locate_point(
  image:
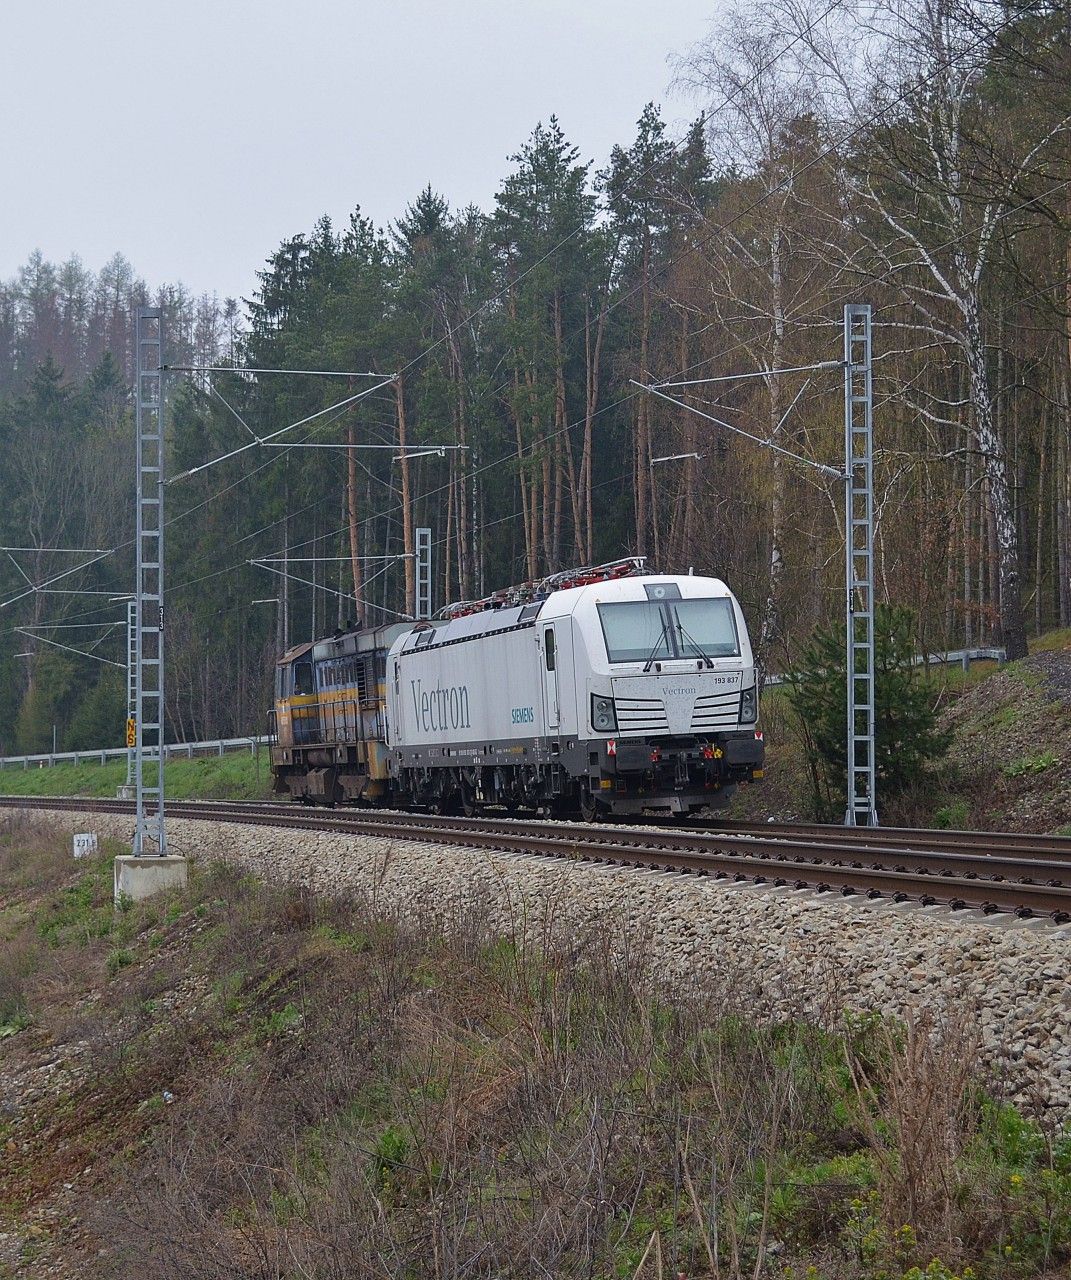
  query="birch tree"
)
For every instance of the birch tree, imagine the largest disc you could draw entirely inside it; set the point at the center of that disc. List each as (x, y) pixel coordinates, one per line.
(929, 175)
(763, 281)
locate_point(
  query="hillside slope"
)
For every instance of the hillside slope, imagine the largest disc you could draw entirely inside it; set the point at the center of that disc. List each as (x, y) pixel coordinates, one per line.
(1008, 767)
(1010, 761)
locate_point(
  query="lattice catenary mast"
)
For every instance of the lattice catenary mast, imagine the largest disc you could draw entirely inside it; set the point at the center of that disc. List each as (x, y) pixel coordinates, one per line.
(149, 834)
(859, 564)
(423, 573)
(131, 690)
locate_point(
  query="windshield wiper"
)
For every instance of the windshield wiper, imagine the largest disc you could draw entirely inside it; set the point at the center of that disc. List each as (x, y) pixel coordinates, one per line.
(661, 636)
(685, 635)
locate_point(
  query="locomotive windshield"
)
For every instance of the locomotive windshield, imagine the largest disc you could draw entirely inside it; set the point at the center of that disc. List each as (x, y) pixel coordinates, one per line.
(648, 630)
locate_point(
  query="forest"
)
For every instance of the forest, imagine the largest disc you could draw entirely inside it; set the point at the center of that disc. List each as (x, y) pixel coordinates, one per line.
(915, 156)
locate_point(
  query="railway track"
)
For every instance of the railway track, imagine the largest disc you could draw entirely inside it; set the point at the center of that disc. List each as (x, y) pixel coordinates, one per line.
(1025, 875)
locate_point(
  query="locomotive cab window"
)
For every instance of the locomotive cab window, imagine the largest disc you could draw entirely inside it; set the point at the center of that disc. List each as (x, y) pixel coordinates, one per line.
(705, 628)
(548, 647)
(650, 631)
(635, 632)
(302, 677)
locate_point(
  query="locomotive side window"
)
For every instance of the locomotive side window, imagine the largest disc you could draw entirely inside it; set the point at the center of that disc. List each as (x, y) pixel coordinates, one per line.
(548, 647)
(302, 677)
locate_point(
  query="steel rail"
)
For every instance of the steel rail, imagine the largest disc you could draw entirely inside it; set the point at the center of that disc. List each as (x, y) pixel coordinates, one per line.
(1006, 844)
(955, 880)
(853, 843)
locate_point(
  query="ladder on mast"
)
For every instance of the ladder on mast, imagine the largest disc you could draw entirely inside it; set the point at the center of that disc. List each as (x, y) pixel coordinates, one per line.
(423, 573)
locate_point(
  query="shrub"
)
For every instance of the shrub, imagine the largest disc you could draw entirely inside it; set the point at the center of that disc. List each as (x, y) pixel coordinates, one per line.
(953, 816)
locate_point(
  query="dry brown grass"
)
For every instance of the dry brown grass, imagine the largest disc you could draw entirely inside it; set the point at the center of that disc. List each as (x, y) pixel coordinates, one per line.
(395, 1101)
(918, 1107)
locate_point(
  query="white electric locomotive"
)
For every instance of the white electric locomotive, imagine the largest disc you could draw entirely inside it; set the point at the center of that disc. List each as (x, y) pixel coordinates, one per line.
(611, 691)
(606, 690)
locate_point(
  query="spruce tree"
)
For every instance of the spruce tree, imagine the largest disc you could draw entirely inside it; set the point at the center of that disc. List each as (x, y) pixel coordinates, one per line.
(907, 734)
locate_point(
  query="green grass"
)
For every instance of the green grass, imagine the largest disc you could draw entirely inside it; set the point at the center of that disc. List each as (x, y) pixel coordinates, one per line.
(1031, 764)
(239, 776)
(1059, 639)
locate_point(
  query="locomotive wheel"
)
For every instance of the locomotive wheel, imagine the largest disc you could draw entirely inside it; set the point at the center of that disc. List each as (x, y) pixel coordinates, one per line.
(590, 809)
(469, 804)
(447, 803)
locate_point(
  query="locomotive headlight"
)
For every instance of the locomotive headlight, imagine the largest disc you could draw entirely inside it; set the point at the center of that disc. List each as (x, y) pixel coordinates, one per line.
(748, 706)
(603, 716)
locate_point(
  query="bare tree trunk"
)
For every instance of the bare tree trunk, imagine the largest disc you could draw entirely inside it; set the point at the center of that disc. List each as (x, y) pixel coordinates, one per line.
(771, 617)
(1010, 603)
(464, 512)
(547, 504)
(527, 513)
(1039, 559)
(643, 420)
(340, 598)
(590, 394)
(1063, 496)
(561, 428)
(965, 516)
(559, 504)
(284, 603)
(1063, 521)
(593, 365)
(448, 540)
(983, 552)
(656, 537)
(313, 576)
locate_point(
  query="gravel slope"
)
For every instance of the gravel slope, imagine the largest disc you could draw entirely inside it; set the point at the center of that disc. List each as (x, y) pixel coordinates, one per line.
(787, 952)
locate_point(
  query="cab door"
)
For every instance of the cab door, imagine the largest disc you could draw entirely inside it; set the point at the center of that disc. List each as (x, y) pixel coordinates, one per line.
(549, 646)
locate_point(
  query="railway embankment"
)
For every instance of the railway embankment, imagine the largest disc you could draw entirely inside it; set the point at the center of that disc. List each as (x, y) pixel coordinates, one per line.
(237, 776)
(786, 952)
(375, 1048)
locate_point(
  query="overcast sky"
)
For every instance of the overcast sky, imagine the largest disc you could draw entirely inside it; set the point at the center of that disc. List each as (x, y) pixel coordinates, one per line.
(194, 135)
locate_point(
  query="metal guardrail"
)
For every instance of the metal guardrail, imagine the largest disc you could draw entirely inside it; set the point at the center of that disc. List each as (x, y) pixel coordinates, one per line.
(172, 751)
(963, 656)
(220, 746)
